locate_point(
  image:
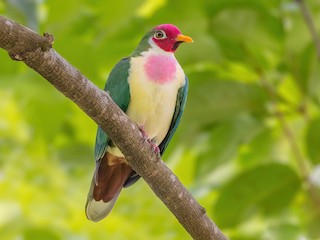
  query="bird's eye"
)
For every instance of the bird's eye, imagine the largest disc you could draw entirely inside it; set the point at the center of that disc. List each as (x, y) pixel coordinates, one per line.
(160, 35)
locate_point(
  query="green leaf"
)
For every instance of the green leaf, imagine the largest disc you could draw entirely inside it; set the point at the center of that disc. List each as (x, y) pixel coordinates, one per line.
(259, 150)
(224, 141)
(251, 14)
(211, 100)
(313, 140)
(268, 189)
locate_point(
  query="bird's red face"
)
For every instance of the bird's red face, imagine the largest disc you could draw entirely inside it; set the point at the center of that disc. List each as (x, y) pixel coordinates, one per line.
(168, 37)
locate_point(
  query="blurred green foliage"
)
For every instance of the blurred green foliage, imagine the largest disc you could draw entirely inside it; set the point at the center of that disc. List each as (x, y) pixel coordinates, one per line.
(247, 147)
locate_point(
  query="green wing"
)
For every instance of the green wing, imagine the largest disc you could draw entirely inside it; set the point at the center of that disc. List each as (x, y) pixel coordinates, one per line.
(180, 105)
(118, 89)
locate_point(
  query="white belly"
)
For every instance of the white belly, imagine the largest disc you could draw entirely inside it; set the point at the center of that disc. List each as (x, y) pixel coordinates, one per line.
(153, 107)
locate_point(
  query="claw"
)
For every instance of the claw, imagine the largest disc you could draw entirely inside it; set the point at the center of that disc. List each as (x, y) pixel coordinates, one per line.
(152, 142)
(155, 147)
(143, 133)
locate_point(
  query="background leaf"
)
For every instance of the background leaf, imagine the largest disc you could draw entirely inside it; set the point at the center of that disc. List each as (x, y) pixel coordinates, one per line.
(257, 189)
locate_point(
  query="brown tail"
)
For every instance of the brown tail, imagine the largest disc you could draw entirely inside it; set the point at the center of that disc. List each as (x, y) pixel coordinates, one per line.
(106, 185)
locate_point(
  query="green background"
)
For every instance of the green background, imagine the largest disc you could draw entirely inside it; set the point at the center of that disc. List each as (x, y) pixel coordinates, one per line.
(247, 147)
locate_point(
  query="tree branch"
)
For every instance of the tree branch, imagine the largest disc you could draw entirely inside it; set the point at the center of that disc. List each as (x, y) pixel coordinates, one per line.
(36, 52)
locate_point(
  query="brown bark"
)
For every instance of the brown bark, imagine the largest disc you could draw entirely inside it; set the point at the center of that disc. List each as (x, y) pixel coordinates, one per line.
(36, 52)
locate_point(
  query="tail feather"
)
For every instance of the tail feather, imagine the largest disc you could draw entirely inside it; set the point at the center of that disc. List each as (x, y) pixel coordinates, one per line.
(106, 186)
(97, 210)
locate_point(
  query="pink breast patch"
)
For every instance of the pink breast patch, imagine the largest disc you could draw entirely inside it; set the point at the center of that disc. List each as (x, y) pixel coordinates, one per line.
(160, 69)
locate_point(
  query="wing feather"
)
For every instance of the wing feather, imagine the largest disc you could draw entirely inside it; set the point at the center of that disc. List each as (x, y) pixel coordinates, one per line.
(118, 88)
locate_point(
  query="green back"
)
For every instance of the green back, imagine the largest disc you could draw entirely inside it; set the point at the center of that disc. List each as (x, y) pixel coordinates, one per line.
(118, 88)
(143, 45)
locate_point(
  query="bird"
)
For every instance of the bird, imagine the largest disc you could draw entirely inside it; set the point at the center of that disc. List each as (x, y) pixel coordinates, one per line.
(151, 87)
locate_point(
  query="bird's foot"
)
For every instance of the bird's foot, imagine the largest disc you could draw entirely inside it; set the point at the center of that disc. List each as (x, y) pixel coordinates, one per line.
(152, 142)
(143, 133)
(155, 147)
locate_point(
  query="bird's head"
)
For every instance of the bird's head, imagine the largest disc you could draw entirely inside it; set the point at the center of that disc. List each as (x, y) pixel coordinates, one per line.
(168, 37)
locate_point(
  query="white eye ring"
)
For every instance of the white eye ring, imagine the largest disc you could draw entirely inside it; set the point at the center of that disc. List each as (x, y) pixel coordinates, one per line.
(160, 34)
